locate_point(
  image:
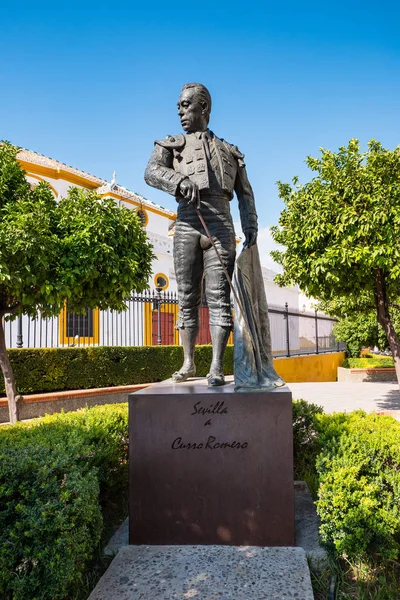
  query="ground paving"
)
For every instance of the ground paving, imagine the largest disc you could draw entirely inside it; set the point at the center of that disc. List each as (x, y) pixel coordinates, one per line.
(206, 573)
(346, 397)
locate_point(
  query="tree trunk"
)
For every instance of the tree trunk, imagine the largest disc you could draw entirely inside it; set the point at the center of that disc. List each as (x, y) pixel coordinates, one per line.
(9, 381)
(382, 306)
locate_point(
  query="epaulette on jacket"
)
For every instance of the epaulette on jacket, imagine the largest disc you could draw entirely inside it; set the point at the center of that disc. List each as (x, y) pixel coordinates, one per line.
(236, 152)
(172, 142)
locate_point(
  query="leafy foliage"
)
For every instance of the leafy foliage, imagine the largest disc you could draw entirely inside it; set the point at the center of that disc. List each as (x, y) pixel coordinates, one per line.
(353, 462)
(306, 444)
(360, 485)
(340, 231)
(28, 239)
(358, 331)
(84, 249)
(357, 325)
(54, 473)
(104, 251)
(56, 369)
(342, 224)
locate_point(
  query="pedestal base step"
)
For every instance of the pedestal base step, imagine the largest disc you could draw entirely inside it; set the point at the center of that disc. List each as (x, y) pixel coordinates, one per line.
(206, 573)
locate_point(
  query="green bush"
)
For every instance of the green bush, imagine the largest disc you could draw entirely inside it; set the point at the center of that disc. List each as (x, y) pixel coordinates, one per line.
(55, 369)
(368, 363)
(359, 493)
(54, 473)
(306, 443)
(351, 461)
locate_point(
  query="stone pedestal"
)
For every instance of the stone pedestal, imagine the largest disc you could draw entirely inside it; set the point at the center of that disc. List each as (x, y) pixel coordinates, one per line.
(211, 466)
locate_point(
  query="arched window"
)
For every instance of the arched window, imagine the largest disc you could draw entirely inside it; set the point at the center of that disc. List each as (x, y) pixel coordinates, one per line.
(161, 281)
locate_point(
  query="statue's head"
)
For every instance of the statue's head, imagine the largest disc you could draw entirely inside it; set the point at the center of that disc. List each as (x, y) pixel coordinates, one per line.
(194, 107)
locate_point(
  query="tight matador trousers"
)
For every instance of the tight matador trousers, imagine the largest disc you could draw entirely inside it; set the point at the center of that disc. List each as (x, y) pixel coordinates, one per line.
(194, 257)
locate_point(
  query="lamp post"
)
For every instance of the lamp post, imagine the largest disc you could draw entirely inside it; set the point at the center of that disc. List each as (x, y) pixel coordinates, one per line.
(20, 340)
(159, 338)
(286, 316)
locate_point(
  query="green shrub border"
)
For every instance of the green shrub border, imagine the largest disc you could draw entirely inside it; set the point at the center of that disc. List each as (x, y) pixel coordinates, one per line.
(351, 462)
(55, 474)
(385, 362)
(40, 370)
(359, 485)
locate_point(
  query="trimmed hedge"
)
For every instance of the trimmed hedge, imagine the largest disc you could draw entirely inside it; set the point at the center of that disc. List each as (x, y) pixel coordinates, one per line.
(368, 363)
(54, 473)
(39, 370)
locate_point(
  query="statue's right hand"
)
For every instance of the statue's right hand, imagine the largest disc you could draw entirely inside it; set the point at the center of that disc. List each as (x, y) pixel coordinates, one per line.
(189, 190)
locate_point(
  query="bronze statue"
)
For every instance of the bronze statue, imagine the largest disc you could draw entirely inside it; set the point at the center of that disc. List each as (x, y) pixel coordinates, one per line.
(202, 171)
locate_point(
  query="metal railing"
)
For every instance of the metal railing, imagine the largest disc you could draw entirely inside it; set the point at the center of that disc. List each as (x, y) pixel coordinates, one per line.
(295, 332)
(150, 318)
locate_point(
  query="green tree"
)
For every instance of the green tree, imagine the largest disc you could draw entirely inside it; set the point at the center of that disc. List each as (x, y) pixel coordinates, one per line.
(359, 330)
(358, 325)
(83, 250)
(341, 231)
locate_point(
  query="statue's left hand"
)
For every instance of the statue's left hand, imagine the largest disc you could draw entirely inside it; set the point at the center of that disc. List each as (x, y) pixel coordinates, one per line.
(251, 237)
(189, 190)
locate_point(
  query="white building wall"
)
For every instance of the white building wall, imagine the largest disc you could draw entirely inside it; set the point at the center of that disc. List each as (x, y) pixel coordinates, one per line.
(59, 185)
(279, 296)
(157, 223)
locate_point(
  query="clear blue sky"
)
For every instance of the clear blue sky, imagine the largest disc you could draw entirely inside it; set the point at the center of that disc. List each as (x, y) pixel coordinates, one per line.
(93, 84)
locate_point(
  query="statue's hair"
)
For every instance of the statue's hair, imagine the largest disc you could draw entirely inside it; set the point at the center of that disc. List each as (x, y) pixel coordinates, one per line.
(201, 92)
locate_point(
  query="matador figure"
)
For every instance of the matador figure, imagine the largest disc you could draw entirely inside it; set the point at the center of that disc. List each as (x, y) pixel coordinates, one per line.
(198, 164)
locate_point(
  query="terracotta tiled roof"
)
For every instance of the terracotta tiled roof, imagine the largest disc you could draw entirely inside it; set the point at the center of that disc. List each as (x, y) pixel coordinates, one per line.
(45, 161)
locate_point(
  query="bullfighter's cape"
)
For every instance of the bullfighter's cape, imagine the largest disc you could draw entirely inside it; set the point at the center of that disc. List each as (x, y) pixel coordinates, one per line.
(253, 363)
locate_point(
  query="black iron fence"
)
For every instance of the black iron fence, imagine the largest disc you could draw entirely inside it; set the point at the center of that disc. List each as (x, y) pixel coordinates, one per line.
(295, 332)
(150, 318)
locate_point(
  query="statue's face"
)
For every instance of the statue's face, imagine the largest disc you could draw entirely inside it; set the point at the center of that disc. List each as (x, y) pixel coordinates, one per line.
(191, 112)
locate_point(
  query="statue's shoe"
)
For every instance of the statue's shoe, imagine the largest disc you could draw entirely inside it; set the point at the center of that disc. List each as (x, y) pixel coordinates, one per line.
(183, 375)
(214, 379)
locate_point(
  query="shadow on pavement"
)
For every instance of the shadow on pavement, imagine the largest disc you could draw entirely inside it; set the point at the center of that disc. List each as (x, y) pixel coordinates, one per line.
(389, 401)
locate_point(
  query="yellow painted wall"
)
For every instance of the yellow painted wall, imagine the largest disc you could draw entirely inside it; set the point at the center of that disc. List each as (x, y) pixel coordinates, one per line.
(314, 367)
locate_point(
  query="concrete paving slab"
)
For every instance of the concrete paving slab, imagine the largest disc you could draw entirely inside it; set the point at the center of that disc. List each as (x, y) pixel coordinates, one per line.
(206, 573)
(346, 397)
